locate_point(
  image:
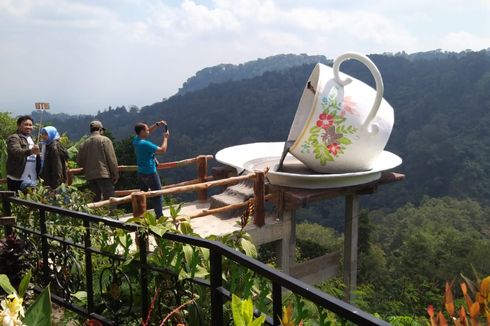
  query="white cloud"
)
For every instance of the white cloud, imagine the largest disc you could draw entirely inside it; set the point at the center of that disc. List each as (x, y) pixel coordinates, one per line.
(460, 41)
(89, 54)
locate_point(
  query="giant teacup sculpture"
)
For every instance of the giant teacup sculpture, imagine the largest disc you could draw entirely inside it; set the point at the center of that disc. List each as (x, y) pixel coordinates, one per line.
(341, 124)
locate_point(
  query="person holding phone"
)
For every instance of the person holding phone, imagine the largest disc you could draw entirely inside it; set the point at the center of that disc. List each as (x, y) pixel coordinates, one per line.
(23, 161)
(145, 150)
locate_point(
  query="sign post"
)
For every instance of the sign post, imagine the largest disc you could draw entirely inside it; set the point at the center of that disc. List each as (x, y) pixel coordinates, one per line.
(42, 106)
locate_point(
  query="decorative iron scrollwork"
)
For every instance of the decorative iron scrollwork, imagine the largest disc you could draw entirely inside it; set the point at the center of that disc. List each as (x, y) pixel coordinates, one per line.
(116, 291)
(66, 272)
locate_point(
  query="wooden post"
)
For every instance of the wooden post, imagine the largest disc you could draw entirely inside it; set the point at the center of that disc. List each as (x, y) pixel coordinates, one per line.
(202, 168)
(351, 233)
(259, 198)
(69, 178)
(138, 202)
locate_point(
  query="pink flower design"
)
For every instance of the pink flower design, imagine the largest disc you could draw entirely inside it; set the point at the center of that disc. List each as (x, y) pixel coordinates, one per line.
(334, 148)
(325, 120)
(349, 106)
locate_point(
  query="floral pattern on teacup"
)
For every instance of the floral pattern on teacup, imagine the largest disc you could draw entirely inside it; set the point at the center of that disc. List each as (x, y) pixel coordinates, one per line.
(329, 137)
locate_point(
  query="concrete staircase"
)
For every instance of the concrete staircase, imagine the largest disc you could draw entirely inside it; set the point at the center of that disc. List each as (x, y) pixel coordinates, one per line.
(235, 194)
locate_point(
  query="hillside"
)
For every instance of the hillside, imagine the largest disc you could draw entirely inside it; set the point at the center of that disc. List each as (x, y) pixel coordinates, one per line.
(228, 72)
(441, 120)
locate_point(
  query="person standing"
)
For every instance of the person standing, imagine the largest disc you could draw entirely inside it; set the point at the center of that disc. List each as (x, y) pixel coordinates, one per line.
(145, 150)
(54, 157)
(23, 161)
(98, 160)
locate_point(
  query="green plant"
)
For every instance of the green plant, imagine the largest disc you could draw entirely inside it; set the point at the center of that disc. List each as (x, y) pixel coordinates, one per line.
(243, 312)
(39, 312)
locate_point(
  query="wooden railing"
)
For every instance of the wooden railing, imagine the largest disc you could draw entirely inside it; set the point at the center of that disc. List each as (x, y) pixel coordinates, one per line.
(201, 161)
(199, 185)
(138, 198)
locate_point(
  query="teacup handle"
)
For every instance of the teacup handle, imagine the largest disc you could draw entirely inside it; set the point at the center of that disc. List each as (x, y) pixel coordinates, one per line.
(377, 78)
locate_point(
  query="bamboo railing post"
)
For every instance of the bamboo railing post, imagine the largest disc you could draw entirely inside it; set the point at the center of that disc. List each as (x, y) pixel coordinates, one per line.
(202, 168)
(69, 178)
(138, 203)
(259, 198)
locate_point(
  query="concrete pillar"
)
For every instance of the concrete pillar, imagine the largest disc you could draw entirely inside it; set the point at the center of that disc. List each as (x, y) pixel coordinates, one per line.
(286, 247)
(351, 234)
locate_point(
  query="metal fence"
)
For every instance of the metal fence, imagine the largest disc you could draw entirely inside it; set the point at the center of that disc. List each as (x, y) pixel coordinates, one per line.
(58, 261)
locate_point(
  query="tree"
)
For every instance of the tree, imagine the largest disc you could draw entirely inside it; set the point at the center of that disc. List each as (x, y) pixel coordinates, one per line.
(8, 125)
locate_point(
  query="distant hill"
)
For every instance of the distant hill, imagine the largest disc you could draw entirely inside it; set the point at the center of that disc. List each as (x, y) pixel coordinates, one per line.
(228, 72)
(442, 119)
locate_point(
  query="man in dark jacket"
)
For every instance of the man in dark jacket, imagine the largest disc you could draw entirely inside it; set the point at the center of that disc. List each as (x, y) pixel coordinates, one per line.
(98, 160)
(23, 162)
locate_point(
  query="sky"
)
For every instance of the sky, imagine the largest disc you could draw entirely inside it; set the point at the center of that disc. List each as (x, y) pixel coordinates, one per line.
(84, 56)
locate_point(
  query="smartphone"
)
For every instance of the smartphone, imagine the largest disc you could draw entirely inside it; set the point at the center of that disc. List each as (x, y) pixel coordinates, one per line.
(165, 128)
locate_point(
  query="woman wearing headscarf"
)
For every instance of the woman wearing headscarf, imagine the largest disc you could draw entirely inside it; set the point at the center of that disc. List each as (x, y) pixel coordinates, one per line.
(54, 170)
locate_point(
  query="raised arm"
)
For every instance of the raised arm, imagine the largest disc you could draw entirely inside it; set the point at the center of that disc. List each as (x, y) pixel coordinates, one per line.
(163, 148)
(156, 125)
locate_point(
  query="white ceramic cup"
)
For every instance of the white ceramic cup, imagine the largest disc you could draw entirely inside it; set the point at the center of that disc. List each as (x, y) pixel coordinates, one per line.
(341, 124)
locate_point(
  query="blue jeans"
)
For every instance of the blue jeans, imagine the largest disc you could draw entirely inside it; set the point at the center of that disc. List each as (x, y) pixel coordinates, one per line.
(152, 182)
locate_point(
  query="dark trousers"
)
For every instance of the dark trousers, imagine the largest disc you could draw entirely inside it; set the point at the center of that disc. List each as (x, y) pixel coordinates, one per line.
(102, 188)
(152, 182)
(13, 185)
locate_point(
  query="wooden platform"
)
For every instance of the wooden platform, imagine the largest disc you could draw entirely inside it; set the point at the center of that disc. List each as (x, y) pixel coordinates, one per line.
(280, 228)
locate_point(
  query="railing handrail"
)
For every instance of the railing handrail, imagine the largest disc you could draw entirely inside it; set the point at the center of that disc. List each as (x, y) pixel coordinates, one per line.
(66, 212)
(173, 190)
(133, 168)
(277, 277)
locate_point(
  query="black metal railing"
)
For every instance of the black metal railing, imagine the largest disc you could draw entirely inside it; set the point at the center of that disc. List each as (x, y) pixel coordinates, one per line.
(58, 268)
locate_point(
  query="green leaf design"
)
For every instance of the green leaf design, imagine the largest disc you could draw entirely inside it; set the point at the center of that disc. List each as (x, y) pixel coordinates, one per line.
(323, 160)
(315, 130)
(5, 284)
(344, 140)
(39, 313)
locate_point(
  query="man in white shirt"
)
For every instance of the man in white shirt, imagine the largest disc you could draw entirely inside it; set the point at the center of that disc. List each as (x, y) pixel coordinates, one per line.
(23, 162)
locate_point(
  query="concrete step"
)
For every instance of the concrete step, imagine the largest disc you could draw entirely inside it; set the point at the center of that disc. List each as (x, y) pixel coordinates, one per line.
(244, 189)
(235, 194)
(225, 199)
